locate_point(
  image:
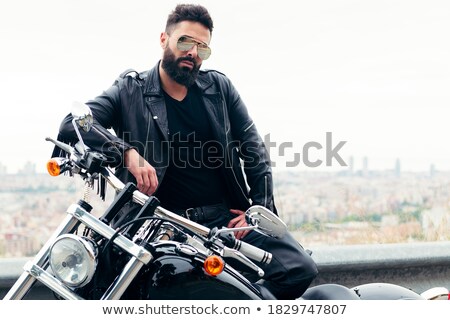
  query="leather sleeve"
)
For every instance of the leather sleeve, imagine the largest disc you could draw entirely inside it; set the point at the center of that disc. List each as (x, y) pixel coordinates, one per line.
(106, 111)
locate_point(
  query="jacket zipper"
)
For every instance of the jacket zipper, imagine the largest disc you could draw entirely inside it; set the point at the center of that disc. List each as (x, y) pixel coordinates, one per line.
(265, 191)
(251, 125)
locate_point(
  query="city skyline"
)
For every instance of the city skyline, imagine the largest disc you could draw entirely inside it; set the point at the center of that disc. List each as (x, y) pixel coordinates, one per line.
(354, 165)
(320, 208)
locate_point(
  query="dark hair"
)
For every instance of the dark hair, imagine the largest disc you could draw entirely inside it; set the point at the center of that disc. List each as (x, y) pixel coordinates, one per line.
(189, 12)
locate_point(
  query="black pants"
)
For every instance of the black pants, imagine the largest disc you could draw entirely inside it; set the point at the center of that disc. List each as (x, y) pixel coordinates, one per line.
(291, 270)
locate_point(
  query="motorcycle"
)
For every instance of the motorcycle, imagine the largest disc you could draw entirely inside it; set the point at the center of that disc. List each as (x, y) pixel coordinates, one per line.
(157, 254)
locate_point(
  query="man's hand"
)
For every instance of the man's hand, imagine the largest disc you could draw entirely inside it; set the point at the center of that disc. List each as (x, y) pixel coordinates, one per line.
(145, 174)
(237, 222)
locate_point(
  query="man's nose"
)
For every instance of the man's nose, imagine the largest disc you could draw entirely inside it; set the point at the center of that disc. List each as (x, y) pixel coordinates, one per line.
(193, 52)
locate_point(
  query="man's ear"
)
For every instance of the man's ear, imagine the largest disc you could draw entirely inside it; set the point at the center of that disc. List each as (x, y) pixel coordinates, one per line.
(164, 40)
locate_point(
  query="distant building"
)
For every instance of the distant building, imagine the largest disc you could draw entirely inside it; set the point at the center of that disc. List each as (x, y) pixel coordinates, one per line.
(432, 170)
(28, 169)
(365, 170)
(351, 165)
(398, 168)
(19, 245)
(435, 223)
(3, 170)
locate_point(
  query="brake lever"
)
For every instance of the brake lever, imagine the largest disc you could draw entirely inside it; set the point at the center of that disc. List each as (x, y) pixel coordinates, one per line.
(64, 146)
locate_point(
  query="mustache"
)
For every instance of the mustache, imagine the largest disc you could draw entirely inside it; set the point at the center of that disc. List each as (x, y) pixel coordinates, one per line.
(190, 59)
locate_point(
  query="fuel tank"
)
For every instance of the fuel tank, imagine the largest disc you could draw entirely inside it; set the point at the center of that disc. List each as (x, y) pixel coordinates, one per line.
(177, 273)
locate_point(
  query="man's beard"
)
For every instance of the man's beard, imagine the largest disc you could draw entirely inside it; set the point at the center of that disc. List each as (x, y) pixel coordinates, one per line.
(182, 75)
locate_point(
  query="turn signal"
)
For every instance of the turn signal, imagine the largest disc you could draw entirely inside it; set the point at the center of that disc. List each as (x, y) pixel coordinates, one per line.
(53, 167)
(214, 265)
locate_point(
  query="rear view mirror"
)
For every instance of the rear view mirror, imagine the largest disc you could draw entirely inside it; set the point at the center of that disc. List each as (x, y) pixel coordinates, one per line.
(267, 222)
(82, 115)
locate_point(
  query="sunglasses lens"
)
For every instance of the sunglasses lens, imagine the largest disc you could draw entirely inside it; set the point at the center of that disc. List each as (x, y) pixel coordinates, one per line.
(204, 53)
(186, 44)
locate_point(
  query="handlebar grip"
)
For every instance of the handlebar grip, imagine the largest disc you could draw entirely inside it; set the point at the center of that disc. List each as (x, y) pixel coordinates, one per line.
(252, 252)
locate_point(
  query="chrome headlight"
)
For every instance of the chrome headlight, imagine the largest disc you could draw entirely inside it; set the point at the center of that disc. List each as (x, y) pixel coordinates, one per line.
(73, 259)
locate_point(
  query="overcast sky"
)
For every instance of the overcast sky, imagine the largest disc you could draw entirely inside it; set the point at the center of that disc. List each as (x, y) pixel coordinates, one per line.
(374, 73)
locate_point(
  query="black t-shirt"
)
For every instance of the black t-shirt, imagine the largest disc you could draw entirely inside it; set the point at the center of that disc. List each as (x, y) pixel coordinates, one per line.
(193, 177)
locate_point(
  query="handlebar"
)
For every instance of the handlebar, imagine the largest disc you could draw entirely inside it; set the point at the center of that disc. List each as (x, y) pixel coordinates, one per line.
(138, 197)
(246, 249)
(253, 252)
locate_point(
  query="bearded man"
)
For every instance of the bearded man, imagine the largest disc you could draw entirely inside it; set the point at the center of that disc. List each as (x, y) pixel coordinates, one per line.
(185, 136)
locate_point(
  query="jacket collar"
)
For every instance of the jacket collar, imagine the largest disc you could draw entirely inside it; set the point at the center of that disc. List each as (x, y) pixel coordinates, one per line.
(153, 84)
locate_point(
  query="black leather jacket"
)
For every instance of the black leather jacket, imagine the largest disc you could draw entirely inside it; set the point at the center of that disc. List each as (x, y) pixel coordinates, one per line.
(134, 108)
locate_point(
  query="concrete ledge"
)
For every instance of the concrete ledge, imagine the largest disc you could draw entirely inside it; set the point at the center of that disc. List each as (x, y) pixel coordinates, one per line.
(418, 266)
(10, 270)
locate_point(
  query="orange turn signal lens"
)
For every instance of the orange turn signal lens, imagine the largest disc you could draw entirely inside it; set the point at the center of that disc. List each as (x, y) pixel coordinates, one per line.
(53, 167)
(214, 265)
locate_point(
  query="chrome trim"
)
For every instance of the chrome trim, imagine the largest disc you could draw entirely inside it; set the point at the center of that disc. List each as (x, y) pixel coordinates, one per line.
(141, 198)
(26, 281)
(191, 225)
(108, 232)
(436, 293)
(91, 253)
(121, 284)
(51, 282)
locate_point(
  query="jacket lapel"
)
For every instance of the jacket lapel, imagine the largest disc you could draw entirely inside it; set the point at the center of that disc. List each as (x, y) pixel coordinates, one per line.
(213, 102)
(215, 107)
(215, 110)
(154, 100)
(158, 115)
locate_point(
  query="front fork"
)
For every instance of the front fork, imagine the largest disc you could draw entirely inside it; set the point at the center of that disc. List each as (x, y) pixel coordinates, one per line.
(36, 268)
(33, 269)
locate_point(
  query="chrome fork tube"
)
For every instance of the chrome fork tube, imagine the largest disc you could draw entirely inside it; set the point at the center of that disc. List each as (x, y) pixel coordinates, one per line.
(123, 281)
(26, 280)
